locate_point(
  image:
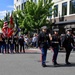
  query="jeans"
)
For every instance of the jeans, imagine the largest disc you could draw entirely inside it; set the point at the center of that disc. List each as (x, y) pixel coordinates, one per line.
(44, 55)
(3, 48)
(7, 48)
(12, 48)
(0, 48)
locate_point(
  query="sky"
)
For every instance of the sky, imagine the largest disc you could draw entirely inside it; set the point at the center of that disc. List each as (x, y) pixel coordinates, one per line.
(6, 6)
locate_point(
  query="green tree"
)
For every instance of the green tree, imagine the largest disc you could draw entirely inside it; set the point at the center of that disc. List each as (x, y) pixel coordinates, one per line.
(34, 15)
(7, 17)
(1, 23)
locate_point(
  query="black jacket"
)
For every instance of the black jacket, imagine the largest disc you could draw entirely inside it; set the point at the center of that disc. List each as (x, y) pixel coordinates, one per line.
(21, 41)
(55, 40)
(68, 41)
(43, 40)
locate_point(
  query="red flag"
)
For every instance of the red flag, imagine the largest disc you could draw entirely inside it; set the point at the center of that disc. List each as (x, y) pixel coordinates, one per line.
(7, 31)
(10, 32)
(5, 28)
(11, 22)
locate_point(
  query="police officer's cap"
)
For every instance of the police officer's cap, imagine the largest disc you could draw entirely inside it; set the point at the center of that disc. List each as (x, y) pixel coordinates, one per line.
(69, 29)
(56, 30)
(44, 27)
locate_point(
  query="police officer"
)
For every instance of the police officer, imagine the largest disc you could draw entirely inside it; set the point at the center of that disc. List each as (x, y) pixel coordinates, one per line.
(68, 44)
(43, 43)
(55, 45)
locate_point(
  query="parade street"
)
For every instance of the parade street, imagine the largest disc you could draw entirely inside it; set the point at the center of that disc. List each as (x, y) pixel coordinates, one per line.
(29, 64)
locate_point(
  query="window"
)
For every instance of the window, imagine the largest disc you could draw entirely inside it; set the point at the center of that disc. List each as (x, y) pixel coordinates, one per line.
(50, 10)
(24, 3)
(22, 6)
(35, 1)
(56, 11)
(19, 7)
(72, 6)
(44, 1)
(64, 8)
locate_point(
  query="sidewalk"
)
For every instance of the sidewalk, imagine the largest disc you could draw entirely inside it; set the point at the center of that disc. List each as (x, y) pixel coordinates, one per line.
(39, 51)
(35, 50)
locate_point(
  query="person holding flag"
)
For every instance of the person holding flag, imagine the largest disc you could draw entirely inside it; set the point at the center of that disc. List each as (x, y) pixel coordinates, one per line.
(5, 30)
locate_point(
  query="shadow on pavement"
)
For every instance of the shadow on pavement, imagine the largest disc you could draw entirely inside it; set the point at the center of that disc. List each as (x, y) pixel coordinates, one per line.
(62, 65)
(25, 53)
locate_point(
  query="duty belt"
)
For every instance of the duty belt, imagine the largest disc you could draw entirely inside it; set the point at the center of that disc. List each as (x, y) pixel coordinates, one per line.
(55, 42)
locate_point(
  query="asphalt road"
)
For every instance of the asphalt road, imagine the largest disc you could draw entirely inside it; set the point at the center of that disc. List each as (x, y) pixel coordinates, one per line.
(28, 64)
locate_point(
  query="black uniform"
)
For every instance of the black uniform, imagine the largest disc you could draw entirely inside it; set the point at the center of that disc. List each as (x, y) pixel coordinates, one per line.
(68, 44)
(43, 43)
(55, 46)
(21, 43)
(43, 40)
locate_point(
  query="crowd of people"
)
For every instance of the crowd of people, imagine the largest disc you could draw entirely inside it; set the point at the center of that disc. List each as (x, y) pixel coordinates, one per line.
(44, 40)
(17, 44)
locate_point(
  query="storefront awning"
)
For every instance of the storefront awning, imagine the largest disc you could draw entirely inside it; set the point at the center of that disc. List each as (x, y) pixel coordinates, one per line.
(65, 22)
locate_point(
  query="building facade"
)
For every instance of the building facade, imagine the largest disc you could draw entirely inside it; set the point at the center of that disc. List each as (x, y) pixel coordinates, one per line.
(64, 8)
(63, 16)
(19, 4)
